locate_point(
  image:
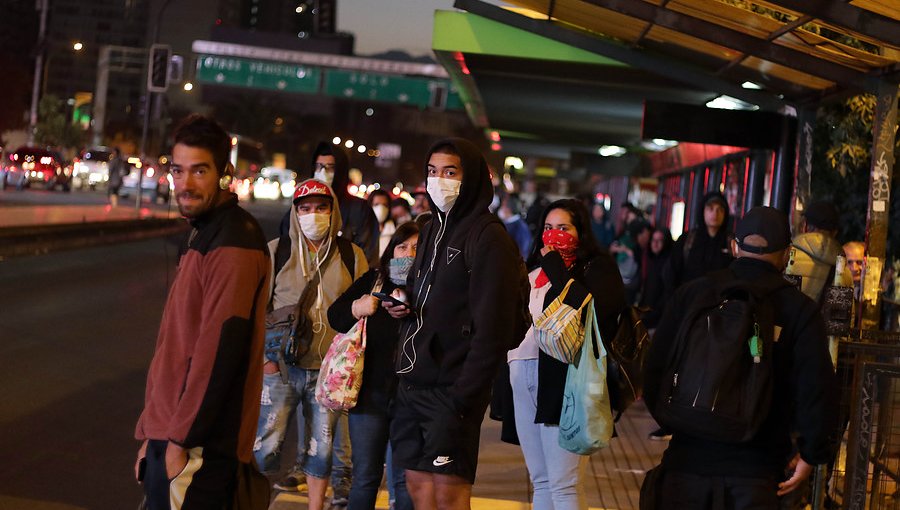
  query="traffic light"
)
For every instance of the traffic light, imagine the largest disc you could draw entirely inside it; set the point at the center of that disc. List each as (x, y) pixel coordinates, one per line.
(324, 12)
(158, 68)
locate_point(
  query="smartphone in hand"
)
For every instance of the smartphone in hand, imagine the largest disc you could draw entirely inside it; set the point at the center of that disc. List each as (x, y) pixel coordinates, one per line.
(390, 299)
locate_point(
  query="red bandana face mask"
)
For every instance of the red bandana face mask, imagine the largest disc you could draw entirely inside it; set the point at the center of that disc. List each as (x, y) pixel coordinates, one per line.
(564, 243)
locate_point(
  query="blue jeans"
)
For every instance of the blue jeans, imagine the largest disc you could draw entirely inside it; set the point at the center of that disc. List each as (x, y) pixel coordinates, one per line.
(277, 402)
(341, 478)
(340, 468)
(369, 433)
(555, 473)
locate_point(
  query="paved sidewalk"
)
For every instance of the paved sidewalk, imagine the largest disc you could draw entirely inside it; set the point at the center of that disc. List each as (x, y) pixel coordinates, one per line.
(35, 215)
(613, 480)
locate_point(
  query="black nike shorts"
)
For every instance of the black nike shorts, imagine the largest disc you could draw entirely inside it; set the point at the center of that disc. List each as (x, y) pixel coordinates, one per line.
(428, 434)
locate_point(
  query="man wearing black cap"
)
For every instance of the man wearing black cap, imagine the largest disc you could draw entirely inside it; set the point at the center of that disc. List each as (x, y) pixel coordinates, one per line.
(816, 249)
(697, 473)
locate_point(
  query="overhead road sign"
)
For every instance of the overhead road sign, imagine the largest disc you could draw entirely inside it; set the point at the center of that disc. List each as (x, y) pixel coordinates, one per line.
(420, 92)
(258, 74)
(318, 59)
(364, 86)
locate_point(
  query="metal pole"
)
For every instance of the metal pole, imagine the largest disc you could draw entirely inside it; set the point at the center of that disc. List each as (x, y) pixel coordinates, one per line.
(38, 71)
(100, 92)
(759, 164)
(820, 479)
(148, 104)
(785, 161)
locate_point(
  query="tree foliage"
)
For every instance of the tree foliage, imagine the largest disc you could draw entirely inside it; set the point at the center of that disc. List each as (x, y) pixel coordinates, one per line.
(842, 160)
(53, 127)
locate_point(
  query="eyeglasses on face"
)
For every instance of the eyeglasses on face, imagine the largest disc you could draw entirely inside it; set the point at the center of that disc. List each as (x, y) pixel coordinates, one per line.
(325, 166)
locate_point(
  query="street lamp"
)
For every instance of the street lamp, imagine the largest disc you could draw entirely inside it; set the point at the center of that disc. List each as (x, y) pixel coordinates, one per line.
(188, 86)
(78, 46)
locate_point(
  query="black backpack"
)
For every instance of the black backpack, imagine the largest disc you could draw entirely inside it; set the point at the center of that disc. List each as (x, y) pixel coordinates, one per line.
(523, 321)
(718, 382)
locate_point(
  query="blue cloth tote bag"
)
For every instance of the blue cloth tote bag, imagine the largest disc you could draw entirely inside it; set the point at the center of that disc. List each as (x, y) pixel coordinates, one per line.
(586, 422)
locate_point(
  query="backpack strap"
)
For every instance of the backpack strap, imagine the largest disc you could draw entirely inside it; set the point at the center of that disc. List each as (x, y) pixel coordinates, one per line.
(282, 252)
(475, 230)
(345, 248)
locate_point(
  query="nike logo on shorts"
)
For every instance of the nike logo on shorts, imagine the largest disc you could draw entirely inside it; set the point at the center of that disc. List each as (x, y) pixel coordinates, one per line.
(441, 461)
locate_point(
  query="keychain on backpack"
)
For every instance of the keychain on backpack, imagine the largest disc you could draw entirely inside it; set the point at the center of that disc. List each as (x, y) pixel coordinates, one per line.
(755, 344)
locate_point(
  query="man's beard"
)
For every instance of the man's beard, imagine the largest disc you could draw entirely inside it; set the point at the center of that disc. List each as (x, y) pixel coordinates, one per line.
(194, 209)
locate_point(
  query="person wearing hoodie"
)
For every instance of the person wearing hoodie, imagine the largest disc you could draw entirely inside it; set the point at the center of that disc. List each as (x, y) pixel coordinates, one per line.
(699, 251)
(466, 304)
(311, 253)
(702, 249)
(652, 293)
(332, 166)
(816, 249)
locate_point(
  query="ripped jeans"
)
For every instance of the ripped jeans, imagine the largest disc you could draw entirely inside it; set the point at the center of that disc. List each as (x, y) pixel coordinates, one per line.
(277, 404)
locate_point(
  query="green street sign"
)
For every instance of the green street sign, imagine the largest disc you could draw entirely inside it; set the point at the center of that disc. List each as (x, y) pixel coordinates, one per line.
(362, 86)
(421, 92)
(257, 74)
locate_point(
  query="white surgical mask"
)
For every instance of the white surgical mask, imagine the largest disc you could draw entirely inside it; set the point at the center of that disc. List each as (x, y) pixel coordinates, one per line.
(315, 226)
(381, 212)
(443, 191)
(324, 176)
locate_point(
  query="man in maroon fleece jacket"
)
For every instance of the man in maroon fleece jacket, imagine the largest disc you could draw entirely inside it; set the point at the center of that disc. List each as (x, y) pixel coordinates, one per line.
(202, 398)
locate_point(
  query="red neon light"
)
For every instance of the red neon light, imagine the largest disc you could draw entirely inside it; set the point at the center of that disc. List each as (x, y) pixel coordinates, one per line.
(496, 147)
(461, 60)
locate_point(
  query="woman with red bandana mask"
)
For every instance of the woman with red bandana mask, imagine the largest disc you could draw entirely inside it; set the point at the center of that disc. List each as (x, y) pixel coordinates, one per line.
(565, 249)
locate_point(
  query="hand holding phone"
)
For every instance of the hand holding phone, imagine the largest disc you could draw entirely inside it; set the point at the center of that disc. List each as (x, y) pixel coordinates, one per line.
(390, 299)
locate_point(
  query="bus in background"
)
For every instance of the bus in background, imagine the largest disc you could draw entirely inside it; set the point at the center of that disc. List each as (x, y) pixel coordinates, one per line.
(248, 158)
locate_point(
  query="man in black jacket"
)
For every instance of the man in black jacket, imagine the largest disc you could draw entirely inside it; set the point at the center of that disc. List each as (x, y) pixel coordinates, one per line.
(697, 472)
(465, 300)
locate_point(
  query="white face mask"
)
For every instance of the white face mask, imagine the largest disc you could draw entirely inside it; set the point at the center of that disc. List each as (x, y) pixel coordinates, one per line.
(444, 192)
(315, 226)
(381, 212)
(324, 176)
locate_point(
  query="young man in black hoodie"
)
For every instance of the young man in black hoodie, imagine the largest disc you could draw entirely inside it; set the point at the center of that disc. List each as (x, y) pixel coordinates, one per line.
(698, 472)
(465, 302)
(702, 249)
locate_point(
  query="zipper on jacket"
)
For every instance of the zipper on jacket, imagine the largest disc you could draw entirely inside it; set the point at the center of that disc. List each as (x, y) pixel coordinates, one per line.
(674, 386)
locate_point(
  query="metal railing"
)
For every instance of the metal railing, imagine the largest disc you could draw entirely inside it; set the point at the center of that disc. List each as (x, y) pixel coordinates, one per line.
(866, 470)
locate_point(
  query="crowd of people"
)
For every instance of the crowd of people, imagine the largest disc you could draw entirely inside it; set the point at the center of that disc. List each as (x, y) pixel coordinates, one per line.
(445, 287)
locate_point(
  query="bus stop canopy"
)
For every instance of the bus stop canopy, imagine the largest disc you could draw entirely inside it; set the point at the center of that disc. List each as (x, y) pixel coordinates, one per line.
(555, 76)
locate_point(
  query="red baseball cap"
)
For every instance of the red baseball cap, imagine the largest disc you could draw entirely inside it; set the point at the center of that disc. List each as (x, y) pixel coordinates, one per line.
(312, 188)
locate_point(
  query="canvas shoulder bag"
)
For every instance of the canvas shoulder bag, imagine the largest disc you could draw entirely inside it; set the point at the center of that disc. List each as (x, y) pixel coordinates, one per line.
(559, 331)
